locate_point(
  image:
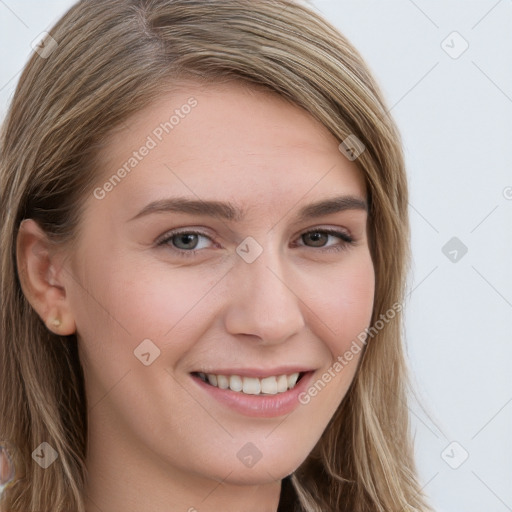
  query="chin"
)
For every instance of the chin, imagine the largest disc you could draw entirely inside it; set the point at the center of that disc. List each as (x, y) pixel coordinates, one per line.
(264, 471)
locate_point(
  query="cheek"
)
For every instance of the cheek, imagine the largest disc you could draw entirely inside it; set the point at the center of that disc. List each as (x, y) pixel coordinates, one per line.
(163, 303)
(132, 300)
(342, 313)
(345, 305)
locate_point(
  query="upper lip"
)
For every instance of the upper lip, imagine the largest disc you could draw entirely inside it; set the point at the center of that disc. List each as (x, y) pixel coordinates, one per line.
(257, 372)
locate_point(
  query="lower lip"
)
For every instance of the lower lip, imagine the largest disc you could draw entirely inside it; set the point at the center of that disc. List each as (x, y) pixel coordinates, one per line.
(260, 406)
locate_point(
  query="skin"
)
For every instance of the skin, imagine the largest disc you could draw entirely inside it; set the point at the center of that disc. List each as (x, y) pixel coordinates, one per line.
(157, 441)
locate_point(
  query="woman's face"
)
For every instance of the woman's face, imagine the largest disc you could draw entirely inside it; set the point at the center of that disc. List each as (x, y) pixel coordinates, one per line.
(196, 263)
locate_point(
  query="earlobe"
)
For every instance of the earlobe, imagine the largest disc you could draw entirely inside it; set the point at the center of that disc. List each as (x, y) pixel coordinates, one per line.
(39, 268)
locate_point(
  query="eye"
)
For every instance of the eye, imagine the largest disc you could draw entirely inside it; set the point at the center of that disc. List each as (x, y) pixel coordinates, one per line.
(188, 243)
(320, 237)
(184, 242)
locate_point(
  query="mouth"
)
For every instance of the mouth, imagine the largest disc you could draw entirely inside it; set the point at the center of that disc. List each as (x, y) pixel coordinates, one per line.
(265, 386)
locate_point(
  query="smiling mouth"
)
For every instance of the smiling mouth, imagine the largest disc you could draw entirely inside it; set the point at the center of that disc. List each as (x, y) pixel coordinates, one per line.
(272, 385)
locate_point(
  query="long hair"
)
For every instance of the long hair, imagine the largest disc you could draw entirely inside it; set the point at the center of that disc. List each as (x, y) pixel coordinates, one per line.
(107, 60)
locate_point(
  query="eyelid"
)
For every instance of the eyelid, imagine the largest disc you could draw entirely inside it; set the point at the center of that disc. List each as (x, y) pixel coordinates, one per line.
(344, 235)
(339, 232)
(179, 231)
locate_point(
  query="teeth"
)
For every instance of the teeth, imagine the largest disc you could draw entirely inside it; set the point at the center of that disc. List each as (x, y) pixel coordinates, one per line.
(269, 385)
(252, 385)
(222, 382)
(292, 380)
(235, 383)
(282, 383)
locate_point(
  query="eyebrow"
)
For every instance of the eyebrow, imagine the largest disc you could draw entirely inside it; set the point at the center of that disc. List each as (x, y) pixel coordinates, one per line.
(233, 213)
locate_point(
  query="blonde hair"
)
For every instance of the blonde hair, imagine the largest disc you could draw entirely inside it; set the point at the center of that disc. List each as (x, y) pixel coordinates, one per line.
(113, 58)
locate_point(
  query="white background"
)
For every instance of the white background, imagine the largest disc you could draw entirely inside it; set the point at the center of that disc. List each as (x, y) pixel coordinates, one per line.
(455, 116)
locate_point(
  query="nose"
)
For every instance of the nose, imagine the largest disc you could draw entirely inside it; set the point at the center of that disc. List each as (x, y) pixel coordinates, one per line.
(263, 303)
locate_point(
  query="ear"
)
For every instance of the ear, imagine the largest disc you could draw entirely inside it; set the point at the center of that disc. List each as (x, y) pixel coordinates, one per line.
(40, 270)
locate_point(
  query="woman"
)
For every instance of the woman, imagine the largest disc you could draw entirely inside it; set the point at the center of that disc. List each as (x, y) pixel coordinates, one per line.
(204, 247)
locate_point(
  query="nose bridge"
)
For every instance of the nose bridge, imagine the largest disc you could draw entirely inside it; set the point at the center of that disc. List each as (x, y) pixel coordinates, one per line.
(263, 302)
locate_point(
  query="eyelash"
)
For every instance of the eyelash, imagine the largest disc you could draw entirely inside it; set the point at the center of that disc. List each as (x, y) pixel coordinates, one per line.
(346, 239)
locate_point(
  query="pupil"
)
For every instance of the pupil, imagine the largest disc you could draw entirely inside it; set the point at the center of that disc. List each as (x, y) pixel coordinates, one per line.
(186, 239)
(317, 238)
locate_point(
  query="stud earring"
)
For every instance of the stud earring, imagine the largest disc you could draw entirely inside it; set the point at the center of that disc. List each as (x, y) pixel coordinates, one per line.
(56, 322)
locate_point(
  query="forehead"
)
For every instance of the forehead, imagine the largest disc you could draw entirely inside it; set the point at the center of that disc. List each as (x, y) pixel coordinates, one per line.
(225, 141)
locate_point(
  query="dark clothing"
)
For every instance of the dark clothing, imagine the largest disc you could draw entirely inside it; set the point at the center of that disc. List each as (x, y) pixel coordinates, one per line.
(287, 498)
